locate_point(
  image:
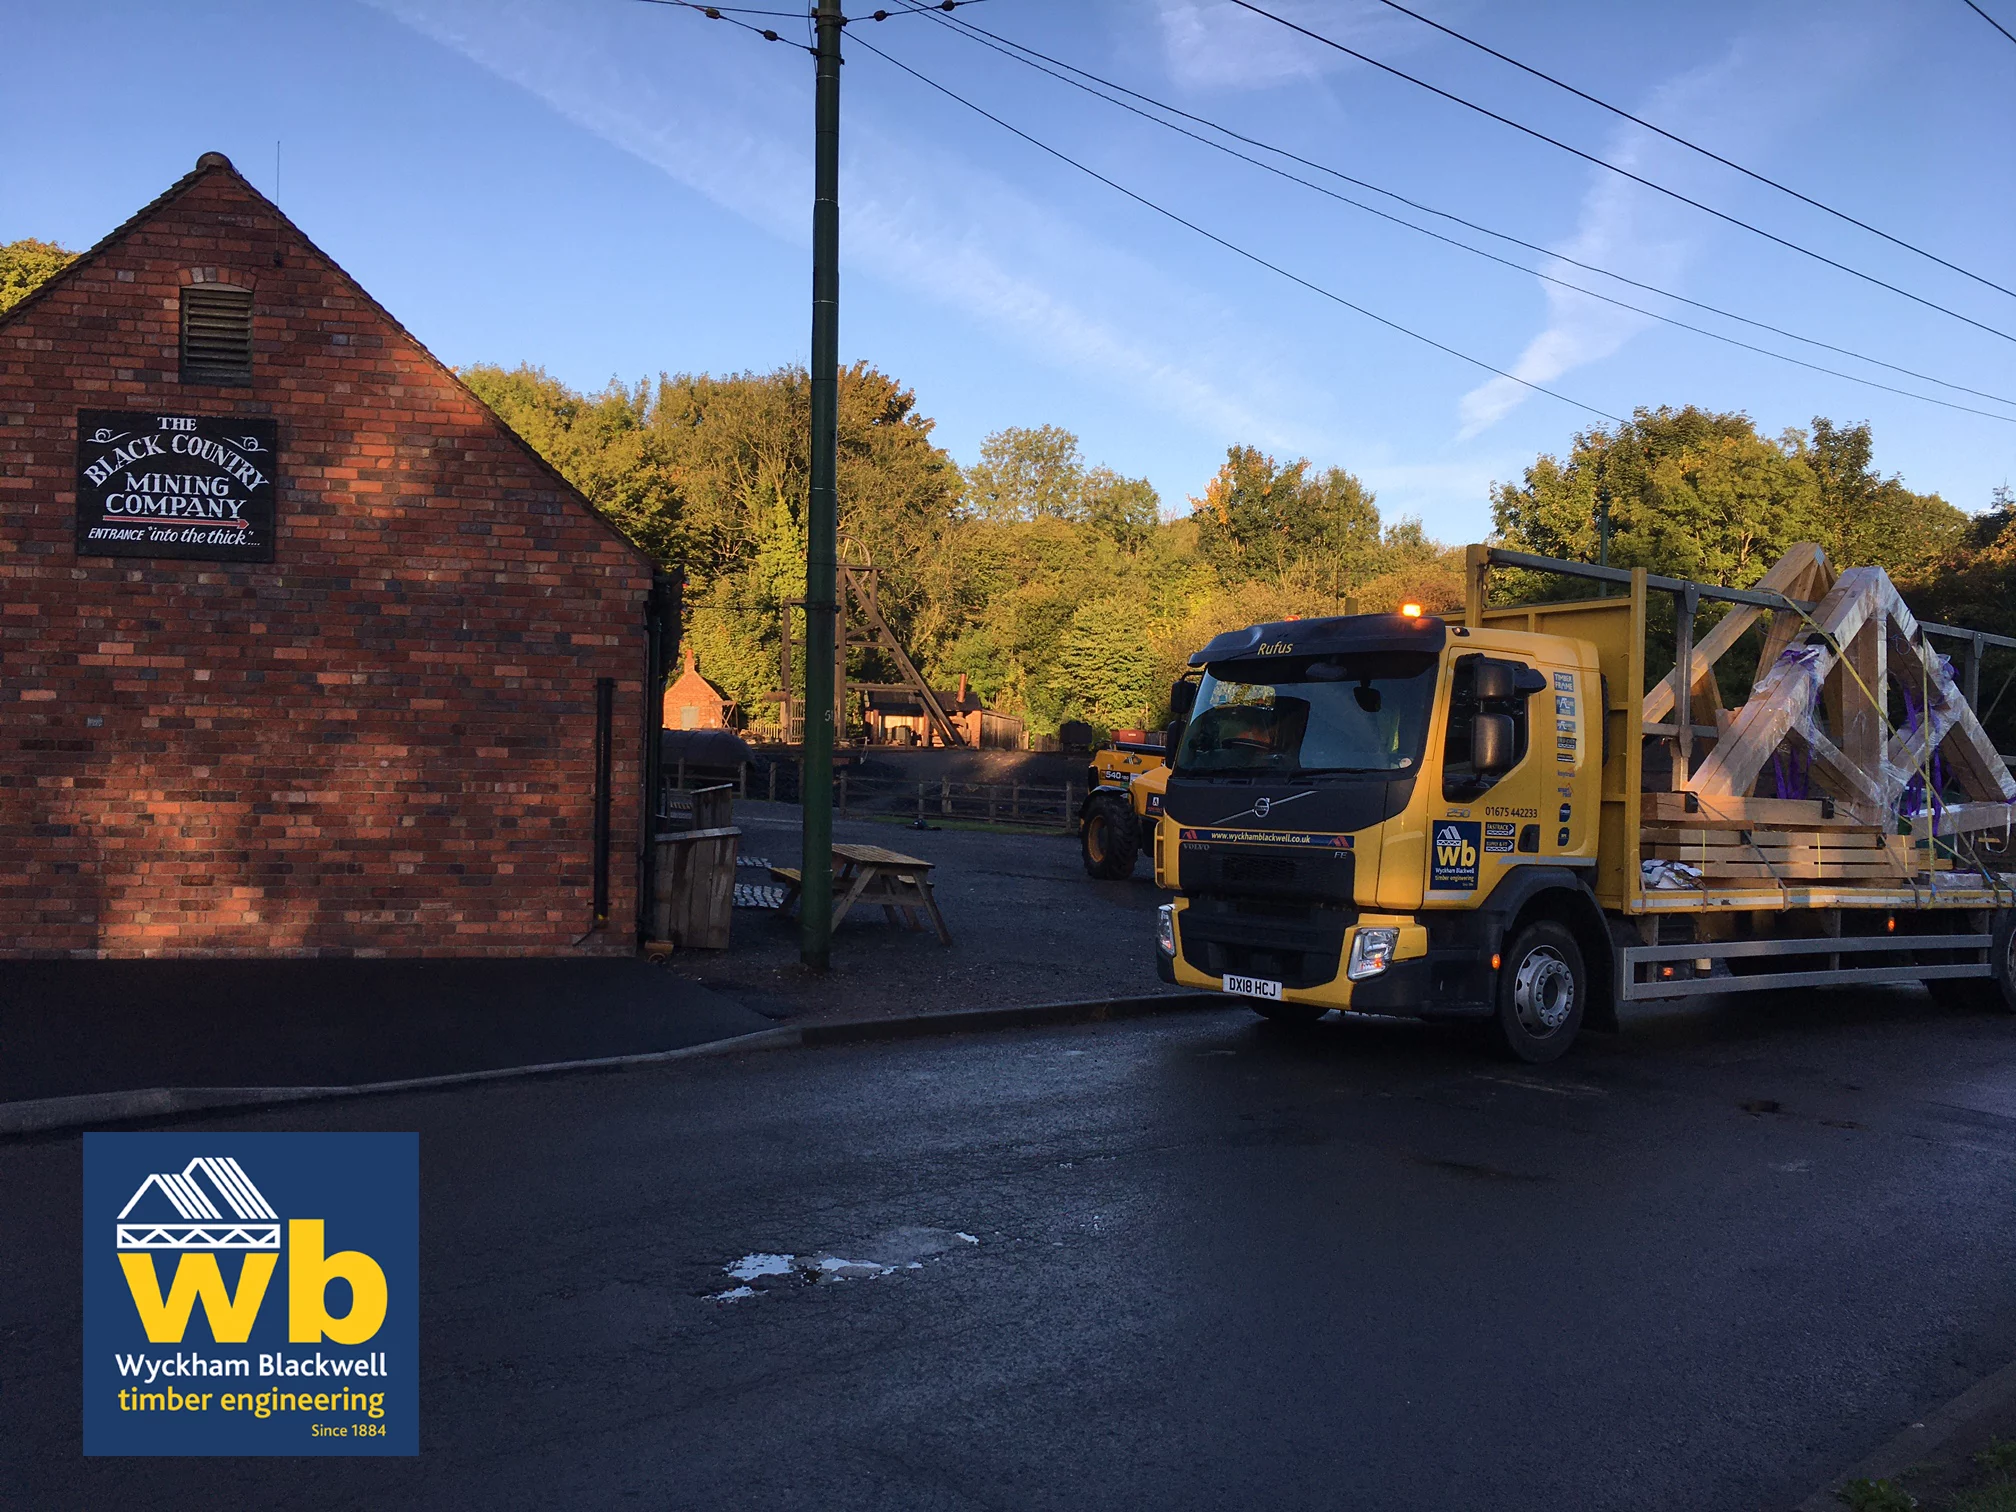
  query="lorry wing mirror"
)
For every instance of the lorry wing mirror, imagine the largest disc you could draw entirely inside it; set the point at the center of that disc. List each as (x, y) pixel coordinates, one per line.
(1491, 742)
(1182, 698)
(1494, 681)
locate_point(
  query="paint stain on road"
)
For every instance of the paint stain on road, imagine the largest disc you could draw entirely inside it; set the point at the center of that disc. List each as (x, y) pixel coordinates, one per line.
(900, 1249)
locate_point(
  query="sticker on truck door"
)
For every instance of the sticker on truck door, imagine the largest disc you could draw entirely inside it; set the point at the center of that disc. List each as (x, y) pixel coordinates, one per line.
(1454, 864)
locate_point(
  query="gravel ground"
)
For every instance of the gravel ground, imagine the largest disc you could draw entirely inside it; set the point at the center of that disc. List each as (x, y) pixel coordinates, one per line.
(1028, 926)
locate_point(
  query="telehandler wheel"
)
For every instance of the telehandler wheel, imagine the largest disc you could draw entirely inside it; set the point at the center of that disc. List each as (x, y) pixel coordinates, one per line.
(1542, 990)
(1109, 836)
(1289, 1013)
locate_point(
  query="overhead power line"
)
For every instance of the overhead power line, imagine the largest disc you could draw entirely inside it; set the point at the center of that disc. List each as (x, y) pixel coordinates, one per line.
(1233, 247)
(721, 13)
(1016, 51)
(1750, 173)
(915, 10)
(1590, 157)
(1989, 19)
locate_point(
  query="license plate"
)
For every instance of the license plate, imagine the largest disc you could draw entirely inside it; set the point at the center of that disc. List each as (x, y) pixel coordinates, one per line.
(1258, 987)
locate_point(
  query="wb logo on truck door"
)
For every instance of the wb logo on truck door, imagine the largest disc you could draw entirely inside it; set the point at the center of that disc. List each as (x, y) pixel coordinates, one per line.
(1454, 864)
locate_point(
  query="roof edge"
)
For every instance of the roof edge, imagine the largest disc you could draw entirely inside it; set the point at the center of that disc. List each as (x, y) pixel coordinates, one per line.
(217, 162)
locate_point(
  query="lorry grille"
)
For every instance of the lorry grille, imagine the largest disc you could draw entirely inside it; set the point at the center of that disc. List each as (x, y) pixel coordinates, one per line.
(1257, 869)
(1297, 945)
(1304, 874)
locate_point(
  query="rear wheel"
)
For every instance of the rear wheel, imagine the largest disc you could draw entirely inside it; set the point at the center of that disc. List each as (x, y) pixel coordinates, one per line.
(1989, 994)
(1542, 991)
(1993, 994)
(1109, 836)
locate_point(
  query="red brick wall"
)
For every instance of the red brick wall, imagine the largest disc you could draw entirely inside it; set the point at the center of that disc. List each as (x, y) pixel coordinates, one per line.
(380, 743)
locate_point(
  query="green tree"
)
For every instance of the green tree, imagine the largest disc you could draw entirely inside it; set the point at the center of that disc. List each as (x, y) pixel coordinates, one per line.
(1973, 584)
(1701, 495)
(713, 474)
(1027, 474)
(26, 265)
(1039, 474)
(1105, 666)
(1690, 494)
(1260, 520)
(1866, 518)
(1124, 510)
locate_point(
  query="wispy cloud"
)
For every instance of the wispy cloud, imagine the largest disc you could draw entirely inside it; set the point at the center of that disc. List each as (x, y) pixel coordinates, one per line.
(1618, 230)
(917, 215)
(1743, 99)
(1451, 497)
(1211, 45)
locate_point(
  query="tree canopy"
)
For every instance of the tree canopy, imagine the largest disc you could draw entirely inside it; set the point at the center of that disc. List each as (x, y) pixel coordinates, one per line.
(26, 265)
(1060, 589)
(1700, 495)
(1055, 585)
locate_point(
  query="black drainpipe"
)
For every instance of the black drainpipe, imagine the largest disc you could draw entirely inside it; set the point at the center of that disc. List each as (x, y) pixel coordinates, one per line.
(661, 621)
(605, 710)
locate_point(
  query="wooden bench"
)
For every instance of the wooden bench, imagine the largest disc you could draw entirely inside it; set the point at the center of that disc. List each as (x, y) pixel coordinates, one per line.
(870, 874)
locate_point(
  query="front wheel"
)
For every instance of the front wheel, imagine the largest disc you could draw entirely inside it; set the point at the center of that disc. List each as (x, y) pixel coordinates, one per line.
(1542, 990)
(1109, 836)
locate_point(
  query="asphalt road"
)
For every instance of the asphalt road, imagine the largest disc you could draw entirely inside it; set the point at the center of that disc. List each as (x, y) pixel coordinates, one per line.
(1218, 1265)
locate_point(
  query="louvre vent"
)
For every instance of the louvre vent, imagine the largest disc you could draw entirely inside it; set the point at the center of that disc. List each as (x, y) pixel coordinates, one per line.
(217, 335)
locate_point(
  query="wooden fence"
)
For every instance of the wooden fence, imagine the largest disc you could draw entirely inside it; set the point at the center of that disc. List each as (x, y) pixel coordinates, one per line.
(1018, 805)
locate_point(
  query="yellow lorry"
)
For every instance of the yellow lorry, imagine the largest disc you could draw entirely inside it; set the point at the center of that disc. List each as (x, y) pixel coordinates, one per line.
(1503, 818)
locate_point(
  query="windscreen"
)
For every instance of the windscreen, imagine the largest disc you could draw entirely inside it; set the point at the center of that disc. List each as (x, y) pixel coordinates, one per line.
(1305, 716)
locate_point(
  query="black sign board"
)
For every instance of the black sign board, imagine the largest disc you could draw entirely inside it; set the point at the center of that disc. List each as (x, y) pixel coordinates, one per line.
(192, 486)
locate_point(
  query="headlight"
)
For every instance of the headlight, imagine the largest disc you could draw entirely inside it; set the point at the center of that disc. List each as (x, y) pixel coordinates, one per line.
(1165, 928)
(1371, 953)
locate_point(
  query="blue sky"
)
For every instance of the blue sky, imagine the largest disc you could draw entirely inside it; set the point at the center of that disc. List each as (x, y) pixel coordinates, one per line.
(610, 189)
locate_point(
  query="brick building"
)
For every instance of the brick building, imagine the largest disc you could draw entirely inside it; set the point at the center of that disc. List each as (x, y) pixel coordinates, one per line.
(302, 651)
(694, 703)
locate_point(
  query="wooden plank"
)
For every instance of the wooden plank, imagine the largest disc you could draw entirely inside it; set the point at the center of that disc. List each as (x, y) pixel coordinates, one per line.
(696, 887)
(1770, 839)
(1758, 871)
(1966, 818)
(1787, 575)
(1855, 698)
(1874, 862)
(1961, 741)
(1783, 700)
(1794, 853)
(1858, 785)
(875, 855)
(1747, 813)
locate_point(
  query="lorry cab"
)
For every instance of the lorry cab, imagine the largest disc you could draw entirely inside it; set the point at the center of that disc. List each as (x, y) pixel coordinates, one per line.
(1361, 807)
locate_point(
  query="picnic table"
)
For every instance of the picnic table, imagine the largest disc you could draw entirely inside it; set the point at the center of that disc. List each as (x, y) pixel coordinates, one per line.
(870, 874)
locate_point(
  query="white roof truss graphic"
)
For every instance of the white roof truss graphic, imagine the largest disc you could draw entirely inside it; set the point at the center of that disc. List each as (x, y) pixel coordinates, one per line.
(195, 1193)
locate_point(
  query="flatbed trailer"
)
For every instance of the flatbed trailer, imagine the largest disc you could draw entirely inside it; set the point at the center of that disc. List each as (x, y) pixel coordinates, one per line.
(1506, 819)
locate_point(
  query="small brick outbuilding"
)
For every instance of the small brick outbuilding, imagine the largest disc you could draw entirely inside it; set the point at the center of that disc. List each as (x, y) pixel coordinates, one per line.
(302, 650)
(694, 703)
